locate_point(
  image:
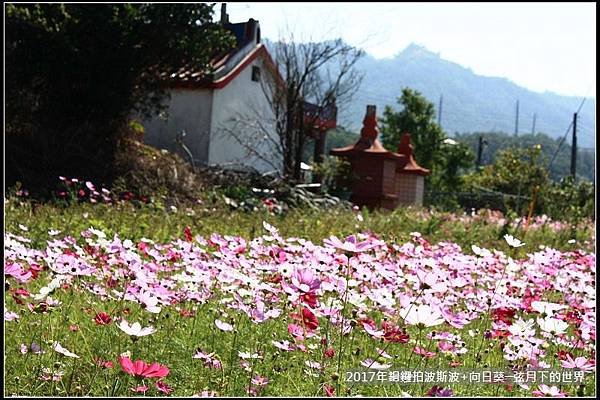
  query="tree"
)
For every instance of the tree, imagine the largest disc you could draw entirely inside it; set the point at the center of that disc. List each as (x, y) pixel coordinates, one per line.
(517, 171)
(320, 73)
(417, 118)
(75, 73)
(560, 168)
(432, 148)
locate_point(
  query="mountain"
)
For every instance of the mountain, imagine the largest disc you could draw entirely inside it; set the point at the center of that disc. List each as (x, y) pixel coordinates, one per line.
(471, 102)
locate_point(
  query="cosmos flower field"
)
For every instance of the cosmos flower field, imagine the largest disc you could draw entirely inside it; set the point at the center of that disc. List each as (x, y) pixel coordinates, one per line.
(99, 315)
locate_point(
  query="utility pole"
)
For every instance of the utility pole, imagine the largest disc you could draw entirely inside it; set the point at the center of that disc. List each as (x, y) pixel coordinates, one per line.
(574, 147)
(479, 151)
(533, 127)
(517, 120)
(440, 111)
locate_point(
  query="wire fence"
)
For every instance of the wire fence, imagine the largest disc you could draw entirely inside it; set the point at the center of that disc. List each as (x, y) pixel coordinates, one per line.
(478, 200)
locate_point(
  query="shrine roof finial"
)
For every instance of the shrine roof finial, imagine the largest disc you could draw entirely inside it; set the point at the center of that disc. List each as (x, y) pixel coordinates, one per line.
(369, 130)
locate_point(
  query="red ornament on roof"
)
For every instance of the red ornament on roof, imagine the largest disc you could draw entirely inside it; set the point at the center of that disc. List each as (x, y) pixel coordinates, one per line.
(411, 167)
(368, 144)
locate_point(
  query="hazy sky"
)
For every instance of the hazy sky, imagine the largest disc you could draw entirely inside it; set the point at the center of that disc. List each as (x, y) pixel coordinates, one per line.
(541, 46)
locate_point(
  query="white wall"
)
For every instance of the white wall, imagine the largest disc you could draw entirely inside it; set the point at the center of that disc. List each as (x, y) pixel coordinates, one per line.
(189, 110)
(245, 100)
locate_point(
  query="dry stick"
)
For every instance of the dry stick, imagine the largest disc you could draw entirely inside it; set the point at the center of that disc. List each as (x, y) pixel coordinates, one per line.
(535, 192)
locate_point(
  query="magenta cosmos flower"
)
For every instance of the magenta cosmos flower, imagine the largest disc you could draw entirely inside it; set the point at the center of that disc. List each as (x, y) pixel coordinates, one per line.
(140, 368)
(305, 280)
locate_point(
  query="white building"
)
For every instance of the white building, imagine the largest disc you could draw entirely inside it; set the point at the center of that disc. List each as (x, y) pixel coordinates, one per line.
(227, 115)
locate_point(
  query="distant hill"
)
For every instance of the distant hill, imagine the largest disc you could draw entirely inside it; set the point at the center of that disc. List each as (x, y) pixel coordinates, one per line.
(471, 102)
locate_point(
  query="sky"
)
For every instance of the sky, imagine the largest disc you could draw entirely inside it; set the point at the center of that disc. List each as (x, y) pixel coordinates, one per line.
(540, 46)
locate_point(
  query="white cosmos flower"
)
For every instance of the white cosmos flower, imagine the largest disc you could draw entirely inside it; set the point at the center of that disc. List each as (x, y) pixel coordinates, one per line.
(46, 290)
(522, 328)
(544, 307)
(135, 329)
(480, 252)
(553, 325)
(513, 241)
(283, 345)
(149, 301)
(59, 349)
(382, 353)
(246, 355)
(224, 326)
(369, 363)
(422, 315)
(313, 364)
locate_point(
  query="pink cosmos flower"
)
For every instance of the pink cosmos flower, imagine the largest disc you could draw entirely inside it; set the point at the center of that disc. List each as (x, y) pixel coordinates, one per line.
(163, 387)
(371, 330)
(17, 272)
(102, 318)
(305, 280)
(296, 331)
(140, 368)
(252, 391)
(224, 326)
(10, 315)
(139, 389)
(350, 244)
(105, 364)
(260, 381)
(329, 390)
(580, 363)
(330, 352)
(149, 301)
(422, 352)
(206, 393)
(446, 347)
(545, 390)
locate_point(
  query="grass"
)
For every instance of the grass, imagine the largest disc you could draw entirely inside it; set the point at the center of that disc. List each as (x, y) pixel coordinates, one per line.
(160, 223)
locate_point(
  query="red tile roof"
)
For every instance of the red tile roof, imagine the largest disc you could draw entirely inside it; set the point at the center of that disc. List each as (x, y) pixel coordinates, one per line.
(217, 76)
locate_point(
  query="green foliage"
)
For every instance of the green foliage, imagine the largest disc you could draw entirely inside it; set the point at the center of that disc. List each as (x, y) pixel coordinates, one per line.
(338, 137)
(76, 72)
(570, 199)
(417, 118)
(496, 141)
(334, 172)
(516, 172)
(430, 145)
